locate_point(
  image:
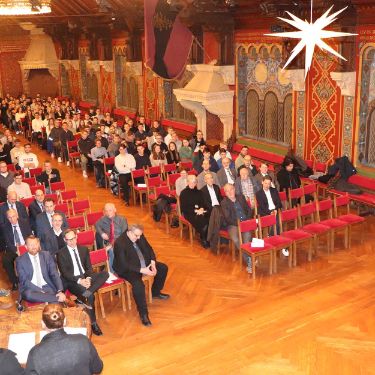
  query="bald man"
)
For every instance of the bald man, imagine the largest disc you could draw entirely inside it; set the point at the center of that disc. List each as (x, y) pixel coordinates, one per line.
(108, 228)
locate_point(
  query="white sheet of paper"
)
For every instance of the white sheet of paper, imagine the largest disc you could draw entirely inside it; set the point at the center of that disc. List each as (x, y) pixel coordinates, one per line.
(68, 330)
(257, 242)
(111, 278)
(141, 185)
(21, 344)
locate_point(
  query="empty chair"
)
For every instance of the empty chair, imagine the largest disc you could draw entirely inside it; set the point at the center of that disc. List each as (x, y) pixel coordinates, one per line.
(53, 196)
(310, 189)
(186, 165)
(168, 169)
(77, 222)
(57, 186)
(295, 196)
(31, 181)
(81, 206)
(35, 171)
(86, 238)
(73, 153)
(139, 191)
(92, 218)
(63, 207)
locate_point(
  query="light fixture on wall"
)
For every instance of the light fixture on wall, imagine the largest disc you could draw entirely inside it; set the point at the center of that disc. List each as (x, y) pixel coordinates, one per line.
(311, 35)
(24, 7)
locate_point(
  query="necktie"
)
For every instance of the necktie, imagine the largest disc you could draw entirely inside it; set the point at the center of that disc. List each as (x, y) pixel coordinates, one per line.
(81, 272)
(38, 273)
(112, 231)
(17, 239)
(12, 206)
(140, 255)
(50, 219)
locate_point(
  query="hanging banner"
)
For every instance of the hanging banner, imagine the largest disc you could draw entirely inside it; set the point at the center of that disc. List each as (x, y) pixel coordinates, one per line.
(167, 40)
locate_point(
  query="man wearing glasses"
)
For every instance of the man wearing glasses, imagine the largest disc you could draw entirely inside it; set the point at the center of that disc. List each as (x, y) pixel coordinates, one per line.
(135, 258)
(78, 276)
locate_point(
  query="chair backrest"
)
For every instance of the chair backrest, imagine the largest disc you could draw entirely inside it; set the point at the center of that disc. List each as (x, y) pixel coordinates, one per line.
(320, 167)
(341, 201)
(57, 186)
(307, 209)
(324, 206)
(35, 171)
(162, 190)
(287, 216)
(68, 195)
(108, 163)
(169, 167)
(154, 170)
(153, 182)
(310, 163)
(86, 238)
(93, 217)
(283, 196)
(63, 207)
(266, 222)
(193, 172)
(138, 173)
(248, 225)
(37, 187)
(27, 201)
(309, 189)
(31, 181)
(296, 193)
(72, 145)
(53, 196)
(186, 165)
(98, 257)
(81, 206)
(77, 136)
(11, 167)
(76, 222)
(172, 178)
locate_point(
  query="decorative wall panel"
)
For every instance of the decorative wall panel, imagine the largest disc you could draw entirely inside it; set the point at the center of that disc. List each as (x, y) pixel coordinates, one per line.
(11, 76)
(150, 95)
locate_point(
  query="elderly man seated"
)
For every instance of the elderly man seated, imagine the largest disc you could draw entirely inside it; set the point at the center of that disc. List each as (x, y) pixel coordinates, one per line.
(108, 228)
(247, 185)
(39, 280)
(194, 209)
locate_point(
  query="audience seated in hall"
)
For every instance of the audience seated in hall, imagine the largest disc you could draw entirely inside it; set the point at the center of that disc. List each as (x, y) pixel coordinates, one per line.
(204, 170)
(159, 140)
(141, 159)
(222, 146)
(186, 153)
(9, 364)
(172, 155)
(78, 276)
(240, 158)
(113, 148)
(65, 136)
(197, 141)
(12, 203)
(98, 153)
(157, 157)
(5, 154)
(67, 354)
(21, 188)
(16, 151)
(223, 155)
(268, 198)
(156, 127)
(181, 182)
(135, 258)
(205, 155)
(44, 219)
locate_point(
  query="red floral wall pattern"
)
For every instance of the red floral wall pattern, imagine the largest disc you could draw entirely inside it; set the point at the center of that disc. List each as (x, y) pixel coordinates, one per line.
(323, 108)
(106, 82)
(75, 89)
(150, 95)
(11, 76)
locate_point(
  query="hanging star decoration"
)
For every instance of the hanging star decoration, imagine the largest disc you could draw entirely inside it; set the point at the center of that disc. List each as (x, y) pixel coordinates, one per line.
(311, 34)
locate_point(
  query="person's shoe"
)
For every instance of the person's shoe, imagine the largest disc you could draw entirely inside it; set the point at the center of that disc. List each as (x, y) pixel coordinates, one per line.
(83, 301)
(5, 306)
(205, 244)
(127, 204)
(161, 296)
(285, 252)
(96, 329)
(249, 269)
(146, 320)
(52, 155)
(14, 287)
(4, 292)
(68, 163)
(59, 160)
(84, 174)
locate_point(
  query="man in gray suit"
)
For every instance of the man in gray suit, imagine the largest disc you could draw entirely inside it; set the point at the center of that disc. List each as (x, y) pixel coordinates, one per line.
(247, 185)
(39, 280)
(226, 175)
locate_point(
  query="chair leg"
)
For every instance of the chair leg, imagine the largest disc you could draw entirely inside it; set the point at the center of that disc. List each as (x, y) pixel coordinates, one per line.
(253, 272)
(240, 253)
(101, 304)
(111, 296)
(128, 296)
(291, 255)
(191, 235)
(166, 222)
(233, 250)
(294, 251)
(274, 257)
(122, 295)
(149, 291)
(309, 254)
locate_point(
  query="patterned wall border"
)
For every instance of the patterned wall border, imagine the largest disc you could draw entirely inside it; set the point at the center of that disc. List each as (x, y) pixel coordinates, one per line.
(299, 109)
(348, 121)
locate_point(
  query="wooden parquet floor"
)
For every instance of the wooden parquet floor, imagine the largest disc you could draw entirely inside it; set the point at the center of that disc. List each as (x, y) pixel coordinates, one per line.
(317, 318)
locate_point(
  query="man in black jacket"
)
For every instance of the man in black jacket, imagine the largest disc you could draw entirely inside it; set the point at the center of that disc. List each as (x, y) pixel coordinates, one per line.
(44, 219)
(65, 136)
(78, 276)
(15, 231)
(134, 258)
(36, 207)
(268, 198)
(12, 203)
(9, 364)
(49, 175)
(85, 144)
(211, 193)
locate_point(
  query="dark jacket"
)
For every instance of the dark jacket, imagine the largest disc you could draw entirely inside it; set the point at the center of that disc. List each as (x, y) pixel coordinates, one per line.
(9, 364)
(126, 260)
(49, 242)
(7, 230)
(223, 178)
(76, 355)
(66, 267)
(263, 209)
(43, 177)
(55, 134)
(142, 161)
(43, 224)
(207, 196)
(20, 207)
(229, 211)
(85, 145)
(65, 137)
(34, 211)
(288, 180)
(49, 272)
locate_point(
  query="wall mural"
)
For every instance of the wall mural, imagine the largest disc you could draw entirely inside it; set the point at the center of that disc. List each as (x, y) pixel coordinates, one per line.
(324, 127)
(264, 94)
(65, 83)
(83, 57)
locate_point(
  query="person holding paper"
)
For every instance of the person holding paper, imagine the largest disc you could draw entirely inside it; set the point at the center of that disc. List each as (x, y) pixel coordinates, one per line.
(39, 280)
(61, 353)
(135, 258)
(234, 207)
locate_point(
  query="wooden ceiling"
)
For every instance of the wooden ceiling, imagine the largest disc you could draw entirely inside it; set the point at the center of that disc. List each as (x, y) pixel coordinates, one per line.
(128, 14)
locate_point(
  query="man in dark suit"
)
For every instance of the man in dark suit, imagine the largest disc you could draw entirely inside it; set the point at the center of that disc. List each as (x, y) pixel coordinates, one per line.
(9, 364)
(134, 258)
(78, 276)
(36, 207)
(61, 353)
(12, 203)
(38, 277)
(263, 172)
(49, 175)
(211, 193)
(15, 231)
(53, 239)
(268, 198)
(226, 175)
(44, 219)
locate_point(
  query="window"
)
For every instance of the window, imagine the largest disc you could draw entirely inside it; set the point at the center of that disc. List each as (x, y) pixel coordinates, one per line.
(178, 111)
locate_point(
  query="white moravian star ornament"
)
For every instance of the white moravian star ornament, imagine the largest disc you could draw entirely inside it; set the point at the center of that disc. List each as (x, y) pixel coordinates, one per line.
(311, 34)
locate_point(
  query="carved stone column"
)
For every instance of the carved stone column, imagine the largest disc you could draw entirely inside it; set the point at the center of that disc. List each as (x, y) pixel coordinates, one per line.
(297, 79)
(346, 82)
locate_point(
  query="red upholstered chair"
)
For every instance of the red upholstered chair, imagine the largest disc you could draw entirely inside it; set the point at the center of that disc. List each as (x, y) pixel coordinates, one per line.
(169, 168)
(86, 238)
(320, 167)
(37, 187)
(138, 190)
(81, 206)
(77, 222)
(310, 163)
(342, 202)
(308, 211)
(99, 258)
(284, 199)
(295, 194)
(277, 241)
(68, 195)
(310, 189)
(63, 207)
(31, 181)
(73, 153)
(35, 172)
(153, 197)
(152, 183)
(183, 223)
(155, 171)
(22, 250)
(27, 201)
(54, 197)
(335, 225)
(108, 164)
(254, 252)
(171, 179)
(186, 165)
(92, 218)
(290, 216)
(223, 233)
(11, 167)
(57, 186)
